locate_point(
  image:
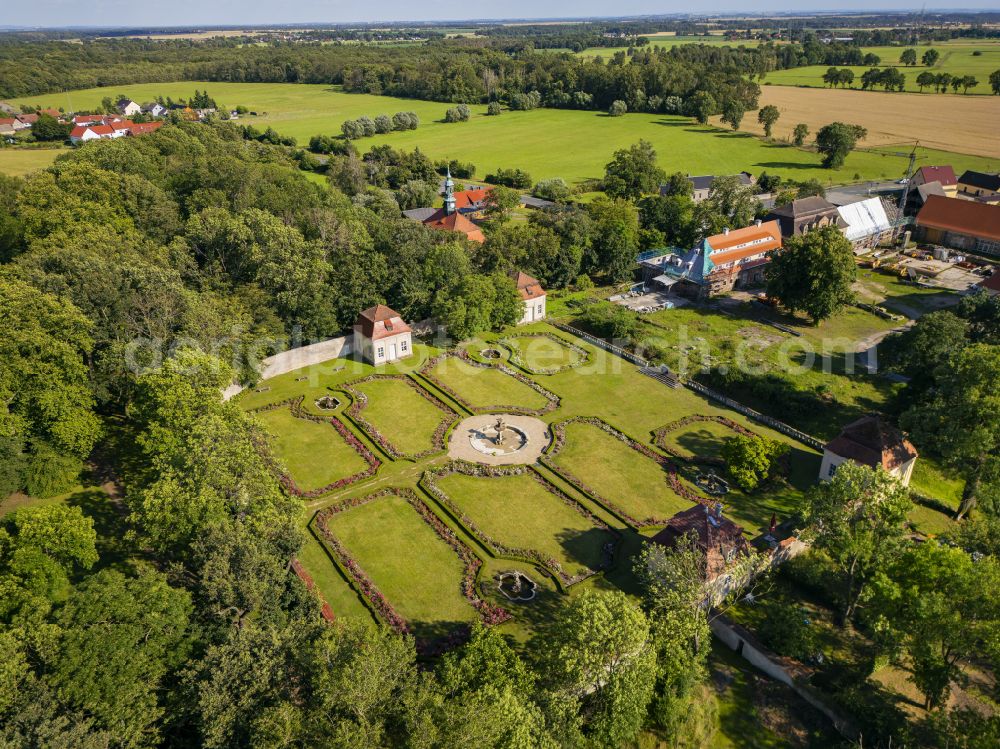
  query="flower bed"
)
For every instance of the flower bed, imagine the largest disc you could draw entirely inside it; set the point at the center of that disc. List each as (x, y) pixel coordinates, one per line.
(673, 480)
(295, 404)
(582, 355)
(465, 468)
(361, 401)
(489, 613)
(659, 436)
(552, 400)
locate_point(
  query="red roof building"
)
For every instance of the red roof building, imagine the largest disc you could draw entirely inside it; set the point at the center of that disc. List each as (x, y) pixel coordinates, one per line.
(381, 336)
(961, 224)
(455, 222)
(870, 441)
(142, 128)
(472, 200)
(719, 538)
(533, 296)
(943, 174)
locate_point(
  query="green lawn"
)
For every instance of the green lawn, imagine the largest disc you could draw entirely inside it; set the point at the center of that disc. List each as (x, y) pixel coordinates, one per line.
(540, 354)
(485, 388)
(957, 59)
(701, 439)
(518, 512)
(401, 414)
(625, 477)
(331, 585)
(899, 295)
(17, 162)
(314, 454)
(415, 570)
(571, 144)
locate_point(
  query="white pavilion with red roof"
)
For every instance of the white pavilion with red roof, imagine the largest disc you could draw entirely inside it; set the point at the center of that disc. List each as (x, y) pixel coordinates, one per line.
(533, 296)
(381, 336)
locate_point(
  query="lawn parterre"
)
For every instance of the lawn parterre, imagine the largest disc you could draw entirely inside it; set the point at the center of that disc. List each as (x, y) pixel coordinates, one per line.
(544, 353)
(413, 570)
(631, 480)
(400, 416)
(313, 458)
(518, 514)
(698, 438)
(482, 387)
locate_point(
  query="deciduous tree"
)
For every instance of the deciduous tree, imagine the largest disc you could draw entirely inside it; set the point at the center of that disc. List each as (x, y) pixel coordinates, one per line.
(813, 273)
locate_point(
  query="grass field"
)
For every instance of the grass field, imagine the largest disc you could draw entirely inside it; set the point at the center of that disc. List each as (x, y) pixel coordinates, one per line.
(956, 59)
(517, 511)
(571, 144)
(401, 414)
(313, 453)
(536, 353)
(20, 161)
(702, 439)
(633, 482)
(416, 571)
(485, 388)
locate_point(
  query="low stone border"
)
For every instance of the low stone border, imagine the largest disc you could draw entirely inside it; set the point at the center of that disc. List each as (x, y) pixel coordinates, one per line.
(354, 412)
(551, 398)
(429, 483)
(295, 405)
(673, 480)
(659, 436)
(515, 358)
(489, 613)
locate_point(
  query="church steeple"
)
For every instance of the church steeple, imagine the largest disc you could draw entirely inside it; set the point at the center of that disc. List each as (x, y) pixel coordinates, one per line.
(449, 194)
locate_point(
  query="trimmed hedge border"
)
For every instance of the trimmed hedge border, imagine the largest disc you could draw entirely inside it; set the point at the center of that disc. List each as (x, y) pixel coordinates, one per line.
(552, 399)
(489, 613)
(295, 404)
(673, 481)
(659, 437)
(518, 362)
(354, 412)
(465, 468)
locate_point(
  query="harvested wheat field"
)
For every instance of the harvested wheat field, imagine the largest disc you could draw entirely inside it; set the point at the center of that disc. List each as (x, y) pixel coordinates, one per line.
(966, 124)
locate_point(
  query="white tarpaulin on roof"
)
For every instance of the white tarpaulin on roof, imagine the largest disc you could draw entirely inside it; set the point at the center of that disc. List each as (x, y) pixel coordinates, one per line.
(864, 218)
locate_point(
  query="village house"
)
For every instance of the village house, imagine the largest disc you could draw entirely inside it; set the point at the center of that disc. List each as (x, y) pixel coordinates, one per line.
(872, 442)
(110, 131)
(381, 336)
(805, 214)
(142, 128)
(128, 108)
(533, 296)
(28, 119)
(866, 223)
(7, 126)
(154, 109)
(723, 262)
(702, 186)
(720, 539)
(979, 186)
(943, 175)
(473, 201)
(960, 224)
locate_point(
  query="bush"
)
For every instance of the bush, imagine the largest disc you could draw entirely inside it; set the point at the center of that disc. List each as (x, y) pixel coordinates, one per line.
(405, 121)
(352, 129)
(524, 102)
(331, 144)
(458, 169)
(610, 321)
(461, 113)
(50, 472)
(617, 108)
(367, 125)
(383, 124)
(785, 631)
(517, 178)
(554, 189)
(583, 282)
(494, 108)
(673, 105)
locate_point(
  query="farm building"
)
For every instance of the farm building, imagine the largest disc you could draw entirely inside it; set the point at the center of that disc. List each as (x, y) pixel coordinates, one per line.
(944, 175)
(381, 336)
(872, 442)
(866, 223)
(733, 259)
(980, 186)
(804, 214)
(721, 540)
(533, 296)
(960, 224)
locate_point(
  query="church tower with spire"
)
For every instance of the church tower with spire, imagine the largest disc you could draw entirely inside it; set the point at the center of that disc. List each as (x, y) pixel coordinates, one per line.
(449, 194)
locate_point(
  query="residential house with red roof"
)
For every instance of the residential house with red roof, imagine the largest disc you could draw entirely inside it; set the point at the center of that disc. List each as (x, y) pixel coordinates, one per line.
(870, 441)
(381, 336)
(142, 128)
(960, 224)
(533, 296)
(733, 259)
(943, 175)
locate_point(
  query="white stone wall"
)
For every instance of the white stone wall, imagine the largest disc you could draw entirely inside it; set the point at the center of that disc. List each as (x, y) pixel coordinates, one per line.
(296, 358)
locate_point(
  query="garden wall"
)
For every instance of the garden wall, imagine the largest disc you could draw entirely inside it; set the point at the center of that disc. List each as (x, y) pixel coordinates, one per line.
(296, 358)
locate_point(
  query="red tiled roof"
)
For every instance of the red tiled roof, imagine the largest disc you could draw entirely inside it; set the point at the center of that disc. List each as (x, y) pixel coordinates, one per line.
(943, 174)
(961, 216)
(872, 442)
(455, 222)
(717, 536)
(380, 321)
(528, 287)
(86, 119)
(31, 119)
(141, 128)
(992, 283)
(121, 124)
(472, 197)
(79, 130)
(8, 121)
(726, 247)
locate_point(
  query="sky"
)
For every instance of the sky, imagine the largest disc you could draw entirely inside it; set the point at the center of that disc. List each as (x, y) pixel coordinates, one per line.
(60, 13)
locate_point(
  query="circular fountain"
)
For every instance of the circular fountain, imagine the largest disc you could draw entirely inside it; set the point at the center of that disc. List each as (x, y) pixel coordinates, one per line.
(516, 586)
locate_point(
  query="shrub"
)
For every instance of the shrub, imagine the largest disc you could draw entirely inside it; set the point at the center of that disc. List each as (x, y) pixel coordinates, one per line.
(458, 169)
(494, 108)
(617, 108)
(405, 121)
(352, 129)
(673, 105)
(50, 472)
(383, 124)
(331, 144)
(367, 124)
(784, 630)
(517, 178)
(461, 113)
(524, 102)
(552, 189)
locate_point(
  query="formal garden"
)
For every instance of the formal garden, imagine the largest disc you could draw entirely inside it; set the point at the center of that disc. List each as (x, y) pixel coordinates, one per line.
(408, 530)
